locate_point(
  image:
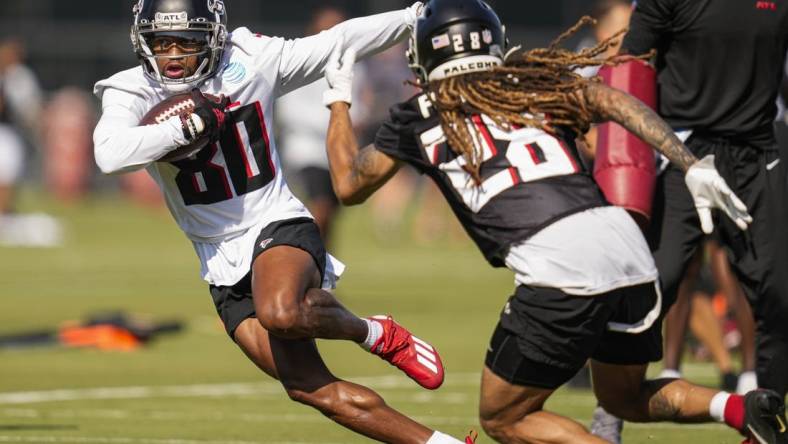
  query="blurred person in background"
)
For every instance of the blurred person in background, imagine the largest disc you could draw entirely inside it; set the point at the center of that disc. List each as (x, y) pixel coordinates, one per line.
(12, 153)
(736, 127)
(707, 275)
(719, 68)
(612, 17)
(67, 143)
(20, 114)
(21, 90)
(586, 282)
(303, 123)
(267, 268)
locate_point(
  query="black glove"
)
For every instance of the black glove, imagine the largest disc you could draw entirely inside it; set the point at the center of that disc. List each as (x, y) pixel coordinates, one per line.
(211, 112)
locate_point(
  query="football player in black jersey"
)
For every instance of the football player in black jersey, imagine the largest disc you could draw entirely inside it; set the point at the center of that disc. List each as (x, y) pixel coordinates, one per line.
(495, 130)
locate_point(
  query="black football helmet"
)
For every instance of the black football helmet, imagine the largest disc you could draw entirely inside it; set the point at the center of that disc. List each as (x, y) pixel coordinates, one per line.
(454, 37)
(195, 20)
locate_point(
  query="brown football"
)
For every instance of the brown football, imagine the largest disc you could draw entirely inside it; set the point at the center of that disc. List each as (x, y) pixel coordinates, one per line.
(174, 106)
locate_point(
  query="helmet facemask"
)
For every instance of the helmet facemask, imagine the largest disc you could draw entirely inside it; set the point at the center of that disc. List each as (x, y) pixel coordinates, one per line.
(179, 26)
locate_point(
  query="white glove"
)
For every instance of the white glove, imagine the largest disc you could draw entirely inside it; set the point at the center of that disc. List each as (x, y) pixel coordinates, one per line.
(709, 190)
(414, 12)
(340, 77)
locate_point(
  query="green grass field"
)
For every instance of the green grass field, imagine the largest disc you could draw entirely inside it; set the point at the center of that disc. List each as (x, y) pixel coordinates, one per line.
(196, 387)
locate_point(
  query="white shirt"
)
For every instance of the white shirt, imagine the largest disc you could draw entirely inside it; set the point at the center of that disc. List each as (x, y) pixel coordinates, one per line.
(585, 254)
(23, 97)
(303, 134)
(237, 184)
(12, 153)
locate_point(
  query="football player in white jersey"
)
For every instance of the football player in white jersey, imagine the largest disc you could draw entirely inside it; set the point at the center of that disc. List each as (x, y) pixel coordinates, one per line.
(259, 248)
(496, 133)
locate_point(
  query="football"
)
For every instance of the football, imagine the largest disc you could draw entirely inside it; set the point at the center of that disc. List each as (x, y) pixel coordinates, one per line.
(174, 106)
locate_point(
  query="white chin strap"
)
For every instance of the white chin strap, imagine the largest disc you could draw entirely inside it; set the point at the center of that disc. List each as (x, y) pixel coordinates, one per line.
(465, 65)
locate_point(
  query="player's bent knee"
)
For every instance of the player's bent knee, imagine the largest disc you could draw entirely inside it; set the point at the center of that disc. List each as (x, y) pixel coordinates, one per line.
(280, 321)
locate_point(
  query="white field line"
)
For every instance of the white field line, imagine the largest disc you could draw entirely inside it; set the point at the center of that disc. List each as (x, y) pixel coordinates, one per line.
(213, 390)
(294, 418)
(299, 419)
(252, 389)
(271, 388)
(171, 416)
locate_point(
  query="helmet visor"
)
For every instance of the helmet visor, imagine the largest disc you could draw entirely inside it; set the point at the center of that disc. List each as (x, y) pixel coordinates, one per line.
(185, 42)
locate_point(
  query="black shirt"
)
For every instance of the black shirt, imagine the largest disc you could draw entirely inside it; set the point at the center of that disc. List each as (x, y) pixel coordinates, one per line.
(719, 62)
(529, 178)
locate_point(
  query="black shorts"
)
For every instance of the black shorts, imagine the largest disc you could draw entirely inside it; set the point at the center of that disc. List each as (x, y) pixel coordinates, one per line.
(545, 336)
(316, 184)
(234, 303)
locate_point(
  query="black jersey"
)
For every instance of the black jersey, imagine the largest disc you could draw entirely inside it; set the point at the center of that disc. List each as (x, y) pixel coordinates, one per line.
(719, 62)
(529, 178)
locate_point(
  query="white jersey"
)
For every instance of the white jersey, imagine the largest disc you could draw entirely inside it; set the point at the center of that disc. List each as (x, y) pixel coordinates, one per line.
(236, 184)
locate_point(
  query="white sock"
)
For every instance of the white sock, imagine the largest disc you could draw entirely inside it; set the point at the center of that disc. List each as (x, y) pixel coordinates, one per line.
(669, 373)
(748, 382)
(374, 332)
(440, 438)
(717, 406)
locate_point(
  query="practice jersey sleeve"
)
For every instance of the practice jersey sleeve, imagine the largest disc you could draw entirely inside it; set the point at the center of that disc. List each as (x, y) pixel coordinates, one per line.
(304, 60)
(397, 137)
(121, 145)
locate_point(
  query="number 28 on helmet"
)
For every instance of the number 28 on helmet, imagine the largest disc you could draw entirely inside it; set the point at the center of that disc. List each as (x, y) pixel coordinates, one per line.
(454, 37)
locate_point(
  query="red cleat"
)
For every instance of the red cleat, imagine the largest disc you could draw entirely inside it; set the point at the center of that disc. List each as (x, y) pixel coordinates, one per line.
(418, 359)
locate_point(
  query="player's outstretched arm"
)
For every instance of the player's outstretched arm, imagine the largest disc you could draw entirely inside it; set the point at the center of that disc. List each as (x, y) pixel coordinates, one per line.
(355, 174)
(609, 104)
(708, 189)
(304, 60)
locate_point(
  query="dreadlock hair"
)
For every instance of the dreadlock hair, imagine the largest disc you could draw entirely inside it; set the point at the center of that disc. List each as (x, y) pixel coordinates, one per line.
(536, 88)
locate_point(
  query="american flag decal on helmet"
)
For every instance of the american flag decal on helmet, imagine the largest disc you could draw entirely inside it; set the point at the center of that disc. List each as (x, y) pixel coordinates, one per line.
(440, 41)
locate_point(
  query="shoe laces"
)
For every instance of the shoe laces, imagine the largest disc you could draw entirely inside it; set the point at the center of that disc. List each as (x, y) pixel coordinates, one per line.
(390, 345)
